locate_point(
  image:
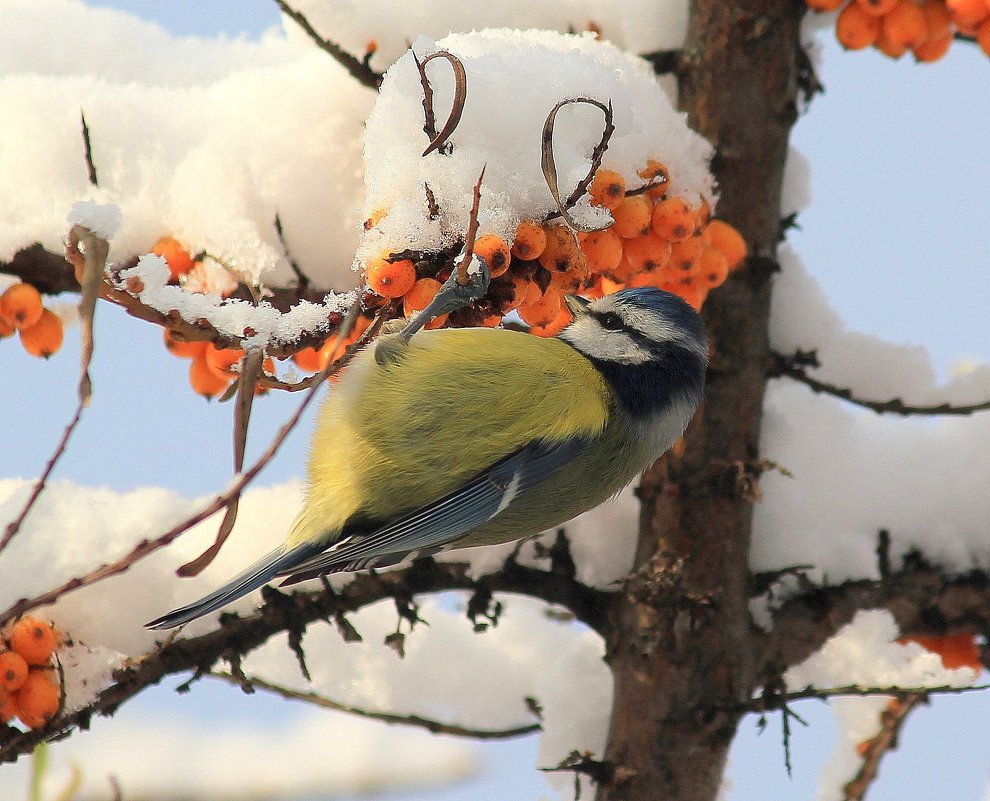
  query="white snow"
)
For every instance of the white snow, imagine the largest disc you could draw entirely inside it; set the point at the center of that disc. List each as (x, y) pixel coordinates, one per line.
(103, 219)
(501, 130)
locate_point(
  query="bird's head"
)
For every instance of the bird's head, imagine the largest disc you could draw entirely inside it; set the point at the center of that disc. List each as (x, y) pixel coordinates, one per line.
(649, 344)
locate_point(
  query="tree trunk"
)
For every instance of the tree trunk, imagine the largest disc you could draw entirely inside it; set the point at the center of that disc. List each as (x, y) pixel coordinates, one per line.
(680, 649)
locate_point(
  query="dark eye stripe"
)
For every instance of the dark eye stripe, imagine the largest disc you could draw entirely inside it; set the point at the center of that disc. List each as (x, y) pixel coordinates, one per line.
(634, 334)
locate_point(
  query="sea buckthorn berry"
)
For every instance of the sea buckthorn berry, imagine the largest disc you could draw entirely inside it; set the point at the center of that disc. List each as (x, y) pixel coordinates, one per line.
(34, 639)
(182, 348)
(495, 253)
(204, 380)
(632, 216)
(44, 338)
(713, 267)
(607, 189)
(624, 270)
(955, 650)
(656, 279)
(21, 305)
(177, 257)
(693, 293)
(719, 234)
(647, 253)
(685, 258)
(934, 48)
(38, 700)
(545, 310)
(968, 14)
(13, 671)
(419, 297)
(937, 17)
(391, 279)
(563, 319)
(530, 241)
(6, 329)
(8, 705)
(983, 37)
(308, 359)
(673, 219)
(889, 47)
(376, 217)
(563, 258)
(602, 249)
(877, 8)
(855, 29)
(824, 5)
(491, 320)
(905, 26)
(222, 360)
(333, 349)
(608, 286)
(654, 171)
(518, 290)
(702, 215)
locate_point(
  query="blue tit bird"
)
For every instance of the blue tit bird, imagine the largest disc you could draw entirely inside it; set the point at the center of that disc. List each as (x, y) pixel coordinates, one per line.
(456, 438)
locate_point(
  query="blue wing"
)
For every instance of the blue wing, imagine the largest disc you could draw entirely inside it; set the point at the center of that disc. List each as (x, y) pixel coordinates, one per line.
(426, 530)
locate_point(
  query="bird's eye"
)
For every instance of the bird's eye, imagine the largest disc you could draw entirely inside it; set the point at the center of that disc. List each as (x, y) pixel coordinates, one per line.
(611, 321)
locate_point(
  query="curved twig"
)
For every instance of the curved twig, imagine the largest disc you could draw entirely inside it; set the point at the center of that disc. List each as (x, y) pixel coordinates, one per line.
(433, 726)
(795, 367)
(438, 141)
(550, 166)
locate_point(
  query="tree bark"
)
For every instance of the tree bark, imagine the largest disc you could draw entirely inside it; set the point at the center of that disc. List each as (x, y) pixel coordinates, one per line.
(682, 652)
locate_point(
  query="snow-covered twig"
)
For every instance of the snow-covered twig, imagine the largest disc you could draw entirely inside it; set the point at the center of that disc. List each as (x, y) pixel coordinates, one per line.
(892, 720)
(88, 151)
(434, 726)
(355, 67)
(795, 366)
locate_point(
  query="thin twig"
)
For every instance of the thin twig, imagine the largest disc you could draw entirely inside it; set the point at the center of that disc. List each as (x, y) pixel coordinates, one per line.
(550, 167)
(892, 720)
(472, 232)
(357, 68)
(301, 280)
(795, 367)
(88, 151)
(434, 726)
(856, 691)
(146, 547)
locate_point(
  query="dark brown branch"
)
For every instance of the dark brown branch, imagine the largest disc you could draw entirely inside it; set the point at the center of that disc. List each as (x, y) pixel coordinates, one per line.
(772, 701)
(438, 140)
(88, 151)
(892, 720)
(433, 726)
(281, 613)
(796, 366)
(356, 67)
(47, 272)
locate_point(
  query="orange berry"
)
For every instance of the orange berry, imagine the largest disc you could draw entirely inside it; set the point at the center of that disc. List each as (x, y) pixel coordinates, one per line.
(533, 294)
(38, 700)
(308, 359)
(658, 279)
(607, 189)
(34, 639)
(905, 26)
(713, 267)
(824, 5)
(983, 37)
(877, 8)
(530, 241)
(563, 319)
(491, 320)
(177, 257)
(647, 253)
(21, 306)
(937, 17)
(602, 249)
(719, 234)
(6, 329)
(182, 348)
(855, 29)
(44, 338)
(376, 217)
(692, 293)
(955, 650)
(419, 297)
(221, 360)
(657, 175)
(519, 290)
(545, 310)
(673, 219)
(204, 380)
(685, 258)
(968, 14)
(13, 670)
(632, 216)
(563, 258)
(888, 46)
(8, 705)
(391, 279)
(702, 215)
(608, 286)
(495, 253)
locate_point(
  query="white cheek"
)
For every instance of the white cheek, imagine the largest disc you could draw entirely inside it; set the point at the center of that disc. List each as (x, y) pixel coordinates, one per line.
(587, 336)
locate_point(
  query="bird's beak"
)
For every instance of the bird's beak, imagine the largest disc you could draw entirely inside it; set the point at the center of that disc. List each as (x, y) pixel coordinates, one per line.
(576, 304)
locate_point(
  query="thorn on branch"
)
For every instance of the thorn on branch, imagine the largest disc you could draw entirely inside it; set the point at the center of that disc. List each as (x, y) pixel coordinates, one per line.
(88, 151)
(665, 62)
(357, 68)
(601, 772)
(302, 281)
(883, 554)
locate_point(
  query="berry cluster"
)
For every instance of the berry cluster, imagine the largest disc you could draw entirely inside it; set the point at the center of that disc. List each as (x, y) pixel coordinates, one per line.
(38, 328)
(925, 27)
(30, 689)
(654, 240)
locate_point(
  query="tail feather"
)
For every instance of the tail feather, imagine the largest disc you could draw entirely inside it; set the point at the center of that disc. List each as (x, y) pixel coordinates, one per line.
(259, 574)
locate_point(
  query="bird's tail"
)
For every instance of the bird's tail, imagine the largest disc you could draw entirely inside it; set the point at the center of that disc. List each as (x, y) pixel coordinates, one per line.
(260, 573)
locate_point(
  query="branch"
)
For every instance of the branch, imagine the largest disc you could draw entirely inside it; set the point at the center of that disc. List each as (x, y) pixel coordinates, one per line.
(795, 367)
(770, 701)
(281, 613)
(357, 68)
(433, 726)
(892, 720)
